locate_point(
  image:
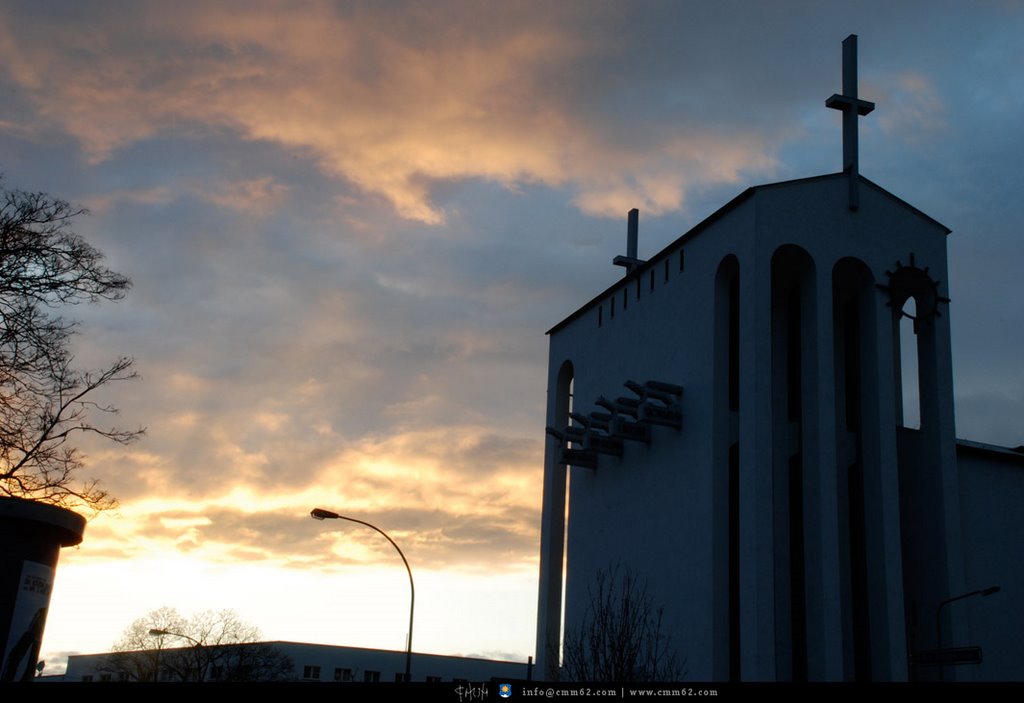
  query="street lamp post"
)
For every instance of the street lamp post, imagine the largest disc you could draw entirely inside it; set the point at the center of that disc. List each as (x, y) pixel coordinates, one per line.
(321, 514)
(159, 651)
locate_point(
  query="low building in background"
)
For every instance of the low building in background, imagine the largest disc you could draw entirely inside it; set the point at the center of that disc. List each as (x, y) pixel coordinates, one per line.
(284, 661)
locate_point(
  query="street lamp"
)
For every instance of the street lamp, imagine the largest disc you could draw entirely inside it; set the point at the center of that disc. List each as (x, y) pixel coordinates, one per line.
(321, 514)
(161, 633)
(938, 613)
(196, 644)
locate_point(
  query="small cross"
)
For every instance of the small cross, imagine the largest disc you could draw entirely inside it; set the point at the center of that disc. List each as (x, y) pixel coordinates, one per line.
(852, 107)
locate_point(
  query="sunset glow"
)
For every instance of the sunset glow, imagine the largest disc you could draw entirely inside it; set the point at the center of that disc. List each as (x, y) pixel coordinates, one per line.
(349, 224)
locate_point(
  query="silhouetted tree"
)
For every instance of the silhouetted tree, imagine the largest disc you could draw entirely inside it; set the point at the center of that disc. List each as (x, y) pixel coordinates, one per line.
(620, 637)
(44, 399)
(211, 646)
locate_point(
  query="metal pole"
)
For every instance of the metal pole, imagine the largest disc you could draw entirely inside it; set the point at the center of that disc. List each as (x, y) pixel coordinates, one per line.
(320, 514)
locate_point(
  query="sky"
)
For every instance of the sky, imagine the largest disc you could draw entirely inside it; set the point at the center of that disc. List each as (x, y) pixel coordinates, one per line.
(349, 224)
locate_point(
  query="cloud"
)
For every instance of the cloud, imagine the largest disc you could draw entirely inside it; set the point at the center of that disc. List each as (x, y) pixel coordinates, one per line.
(914, 111)
(257, 196)
(393, 100)
(149, 196)
(431, 497)
(453, 495)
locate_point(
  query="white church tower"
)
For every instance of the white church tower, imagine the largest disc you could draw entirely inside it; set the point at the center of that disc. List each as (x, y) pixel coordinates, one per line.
(726, 422)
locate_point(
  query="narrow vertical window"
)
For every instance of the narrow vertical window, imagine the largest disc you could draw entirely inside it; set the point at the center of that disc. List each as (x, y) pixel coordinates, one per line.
(794, 453)
(853, 292)
(726, 426)
(909, 376)
(569, 398)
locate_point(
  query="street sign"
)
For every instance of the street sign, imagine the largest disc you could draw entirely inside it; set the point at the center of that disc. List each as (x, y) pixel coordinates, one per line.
(950, 655)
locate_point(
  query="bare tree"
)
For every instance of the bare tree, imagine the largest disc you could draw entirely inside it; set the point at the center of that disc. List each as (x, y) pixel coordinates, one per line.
(137, 656)
(44, 399)
(210, 646)
(620, 637)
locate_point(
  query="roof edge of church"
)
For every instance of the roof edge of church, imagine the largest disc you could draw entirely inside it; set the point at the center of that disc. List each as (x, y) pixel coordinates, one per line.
(904, 203)
(717, 215)
(1008, 453)
(645, 266)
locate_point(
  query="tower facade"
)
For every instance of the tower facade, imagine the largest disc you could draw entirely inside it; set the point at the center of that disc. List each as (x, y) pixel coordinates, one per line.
(768, 524)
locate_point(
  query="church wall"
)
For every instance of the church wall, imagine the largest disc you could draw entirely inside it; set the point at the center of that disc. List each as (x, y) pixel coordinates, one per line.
(991, 493)
(651, 511)
(866, 479)
(881, 233)
(665, 510)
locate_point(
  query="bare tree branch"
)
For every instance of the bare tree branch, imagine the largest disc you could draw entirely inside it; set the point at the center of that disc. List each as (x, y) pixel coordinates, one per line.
(44, 400)
(620, 637)
(210, 646)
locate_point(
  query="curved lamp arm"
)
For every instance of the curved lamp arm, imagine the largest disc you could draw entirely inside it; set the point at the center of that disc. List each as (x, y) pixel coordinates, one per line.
(321, 514)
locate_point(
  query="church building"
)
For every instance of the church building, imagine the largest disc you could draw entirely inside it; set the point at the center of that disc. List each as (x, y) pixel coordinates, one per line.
(726, 422)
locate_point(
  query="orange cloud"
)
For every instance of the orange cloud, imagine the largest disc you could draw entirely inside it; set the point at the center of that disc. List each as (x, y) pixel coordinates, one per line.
(256, 196)
(454, 495)
(392, 101)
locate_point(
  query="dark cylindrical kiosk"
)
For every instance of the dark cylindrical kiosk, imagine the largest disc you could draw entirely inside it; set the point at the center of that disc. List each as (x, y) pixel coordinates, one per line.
(31, 535)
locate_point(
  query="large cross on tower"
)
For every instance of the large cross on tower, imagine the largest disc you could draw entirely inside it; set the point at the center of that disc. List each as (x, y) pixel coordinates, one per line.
(852, 108)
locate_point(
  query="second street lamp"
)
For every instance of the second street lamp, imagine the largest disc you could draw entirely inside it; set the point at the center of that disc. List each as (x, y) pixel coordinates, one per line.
(321, 514)
(202, 655)
(983, 592)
